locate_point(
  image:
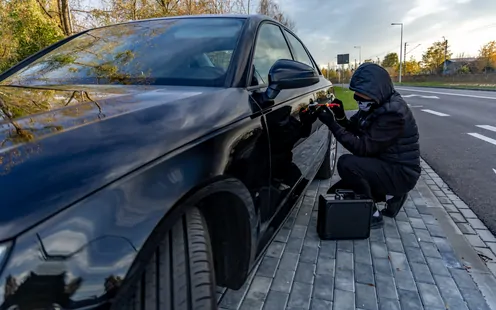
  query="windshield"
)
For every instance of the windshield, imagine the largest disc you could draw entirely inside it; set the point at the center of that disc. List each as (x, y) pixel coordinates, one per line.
(188, 52)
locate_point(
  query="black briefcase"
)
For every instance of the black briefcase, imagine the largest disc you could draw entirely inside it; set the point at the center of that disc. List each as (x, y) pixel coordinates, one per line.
(344, 215)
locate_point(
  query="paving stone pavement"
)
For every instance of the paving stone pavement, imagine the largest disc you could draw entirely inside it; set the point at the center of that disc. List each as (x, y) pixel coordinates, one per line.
(467, 222)
(420, 260)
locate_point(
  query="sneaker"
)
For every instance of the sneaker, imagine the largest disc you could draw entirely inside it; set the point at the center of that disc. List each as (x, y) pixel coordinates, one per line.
(393, 205)
(377, 221)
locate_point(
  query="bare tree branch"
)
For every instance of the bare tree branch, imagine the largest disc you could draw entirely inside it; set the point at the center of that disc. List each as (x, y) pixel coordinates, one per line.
(44, 9)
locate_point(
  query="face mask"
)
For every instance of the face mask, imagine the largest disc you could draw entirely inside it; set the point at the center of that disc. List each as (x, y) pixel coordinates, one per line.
(365, 105)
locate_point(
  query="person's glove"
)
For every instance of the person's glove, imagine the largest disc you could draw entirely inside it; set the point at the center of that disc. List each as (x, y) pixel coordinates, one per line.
(338, 110)
(325, 115)
(307, 116)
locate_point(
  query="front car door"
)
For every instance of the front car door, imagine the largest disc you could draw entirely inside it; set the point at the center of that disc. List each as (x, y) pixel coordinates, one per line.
(322, 93)
(292, 158)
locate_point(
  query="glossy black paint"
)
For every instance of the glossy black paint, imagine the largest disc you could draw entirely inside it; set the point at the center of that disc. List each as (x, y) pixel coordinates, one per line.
(285, 74)
(88, 189)
(288, 74)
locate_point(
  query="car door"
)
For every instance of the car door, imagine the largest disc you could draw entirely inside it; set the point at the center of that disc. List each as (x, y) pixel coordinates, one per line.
(289, 172)
(322, 93)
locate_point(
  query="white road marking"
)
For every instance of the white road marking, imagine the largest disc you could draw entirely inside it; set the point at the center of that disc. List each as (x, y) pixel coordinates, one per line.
(421, 96)
(448, 94)
(435, 112)
(494, 170)
(487, 127)
(482, 137)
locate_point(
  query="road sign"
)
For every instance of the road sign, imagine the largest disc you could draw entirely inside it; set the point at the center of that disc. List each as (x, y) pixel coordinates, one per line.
(343, 59)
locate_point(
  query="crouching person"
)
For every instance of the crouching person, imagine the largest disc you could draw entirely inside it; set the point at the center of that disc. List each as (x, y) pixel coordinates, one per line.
(382, 138)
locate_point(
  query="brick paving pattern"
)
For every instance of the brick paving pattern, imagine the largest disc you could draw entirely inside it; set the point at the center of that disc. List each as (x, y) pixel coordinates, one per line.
(408, 264)
(467, 222)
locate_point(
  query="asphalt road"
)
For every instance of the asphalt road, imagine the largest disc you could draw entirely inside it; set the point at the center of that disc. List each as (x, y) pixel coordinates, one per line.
(458, 140)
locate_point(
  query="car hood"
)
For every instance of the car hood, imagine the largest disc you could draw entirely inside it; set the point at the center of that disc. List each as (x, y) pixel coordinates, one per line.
(61, 143)
(30, 113)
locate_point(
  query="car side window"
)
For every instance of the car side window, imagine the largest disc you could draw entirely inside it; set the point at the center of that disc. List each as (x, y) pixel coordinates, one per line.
(270, 47)
(301, 54)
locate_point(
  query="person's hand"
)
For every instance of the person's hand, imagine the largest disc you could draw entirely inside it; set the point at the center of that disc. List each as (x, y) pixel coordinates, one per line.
(307, 116)
(325, 115)
(338, 110)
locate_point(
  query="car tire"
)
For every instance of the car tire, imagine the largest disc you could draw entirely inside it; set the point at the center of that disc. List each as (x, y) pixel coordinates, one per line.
(329, 164)
(181, 274)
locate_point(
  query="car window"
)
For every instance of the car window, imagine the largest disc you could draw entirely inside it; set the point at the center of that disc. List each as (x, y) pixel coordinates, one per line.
(301, 54)
(270, 47)
(186, 52)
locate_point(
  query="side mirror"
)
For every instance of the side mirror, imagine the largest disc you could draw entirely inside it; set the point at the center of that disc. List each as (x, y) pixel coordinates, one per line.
(289, 74)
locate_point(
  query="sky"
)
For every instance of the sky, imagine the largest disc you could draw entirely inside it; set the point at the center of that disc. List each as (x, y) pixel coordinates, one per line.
(331, 27)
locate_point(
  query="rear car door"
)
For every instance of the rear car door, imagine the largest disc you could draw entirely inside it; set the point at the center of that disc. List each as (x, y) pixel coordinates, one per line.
(290, 167)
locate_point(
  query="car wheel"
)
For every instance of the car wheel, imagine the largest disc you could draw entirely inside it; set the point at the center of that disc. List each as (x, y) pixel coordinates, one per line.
(329, 164)
(181, 273)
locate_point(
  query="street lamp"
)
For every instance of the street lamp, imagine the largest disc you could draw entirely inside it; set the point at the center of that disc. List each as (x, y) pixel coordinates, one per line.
(359, 54)
(401, 46)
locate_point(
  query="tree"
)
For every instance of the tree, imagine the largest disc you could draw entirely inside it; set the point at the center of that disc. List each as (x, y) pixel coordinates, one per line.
(59, 11)
(390, 60)
(24, 30)
(411, 67)
(114, 11)
(433, 58)
(272, 9)
(30, 25)
(487, 55)
(331, 74)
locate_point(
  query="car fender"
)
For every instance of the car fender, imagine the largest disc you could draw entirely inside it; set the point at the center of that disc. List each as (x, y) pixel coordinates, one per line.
(91, 247)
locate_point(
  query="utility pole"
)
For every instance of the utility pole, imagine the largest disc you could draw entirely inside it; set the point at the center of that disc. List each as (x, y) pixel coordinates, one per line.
(401, 47)
(445, 54)
(355, 64)
(413, 48)
(328, 71)
(378, 60)
(404, 56)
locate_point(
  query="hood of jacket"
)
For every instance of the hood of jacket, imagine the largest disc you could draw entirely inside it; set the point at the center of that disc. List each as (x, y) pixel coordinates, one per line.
(374, 81)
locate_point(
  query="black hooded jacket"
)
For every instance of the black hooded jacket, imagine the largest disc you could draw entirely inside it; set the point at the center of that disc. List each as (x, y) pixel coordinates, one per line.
(387, 131)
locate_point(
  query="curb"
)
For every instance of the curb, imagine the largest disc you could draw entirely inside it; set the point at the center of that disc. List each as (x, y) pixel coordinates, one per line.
(482, 273)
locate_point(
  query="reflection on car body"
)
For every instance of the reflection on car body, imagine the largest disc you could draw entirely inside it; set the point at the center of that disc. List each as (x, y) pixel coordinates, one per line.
(112, 164)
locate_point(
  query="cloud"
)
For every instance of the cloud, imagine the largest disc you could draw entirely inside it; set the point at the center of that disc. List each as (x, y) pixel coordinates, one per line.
(329, 28)
(423, 8)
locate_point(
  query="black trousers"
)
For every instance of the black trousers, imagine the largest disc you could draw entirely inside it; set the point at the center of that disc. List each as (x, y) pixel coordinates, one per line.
(372, 177)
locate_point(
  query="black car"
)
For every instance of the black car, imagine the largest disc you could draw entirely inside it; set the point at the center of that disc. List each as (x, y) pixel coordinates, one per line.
(144, 163)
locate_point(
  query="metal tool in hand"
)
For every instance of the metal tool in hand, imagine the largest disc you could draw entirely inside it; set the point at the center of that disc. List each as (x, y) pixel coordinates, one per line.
(315, 105)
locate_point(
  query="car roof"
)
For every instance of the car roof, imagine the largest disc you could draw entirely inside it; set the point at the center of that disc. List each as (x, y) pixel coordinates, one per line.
(253, 18)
